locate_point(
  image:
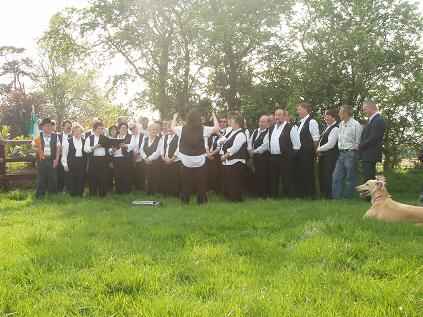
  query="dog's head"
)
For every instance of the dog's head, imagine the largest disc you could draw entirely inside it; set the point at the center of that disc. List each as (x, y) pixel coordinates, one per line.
(372, 186)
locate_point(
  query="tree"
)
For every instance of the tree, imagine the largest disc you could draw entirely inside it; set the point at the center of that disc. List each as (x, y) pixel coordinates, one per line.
(15, 110)
(15, 66)
(64, 74)
(338, 52)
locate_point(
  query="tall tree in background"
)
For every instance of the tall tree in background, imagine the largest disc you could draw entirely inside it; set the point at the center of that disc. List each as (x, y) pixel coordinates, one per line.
(64, 75)
(235, 32)
(157, 39)
(348, 51)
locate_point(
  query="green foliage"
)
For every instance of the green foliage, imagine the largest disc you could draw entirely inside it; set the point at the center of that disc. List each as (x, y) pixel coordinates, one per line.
(97, 257)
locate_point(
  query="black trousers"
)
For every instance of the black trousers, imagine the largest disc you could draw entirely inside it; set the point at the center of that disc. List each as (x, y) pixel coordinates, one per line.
(139, 176)
(194, 181)
(306, 186)
(98, 175)
(122, 173)
(327, 165)
(214, 175)
(275, 164)
(77, 176)
(281, 171)
(369, 170)
(61, 178)
(152, 176)
(46, 178)
(170, 179)
(261, 175)
(233, 181)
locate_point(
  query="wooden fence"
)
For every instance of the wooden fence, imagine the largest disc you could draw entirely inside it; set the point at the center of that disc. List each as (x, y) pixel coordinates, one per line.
(9, 175)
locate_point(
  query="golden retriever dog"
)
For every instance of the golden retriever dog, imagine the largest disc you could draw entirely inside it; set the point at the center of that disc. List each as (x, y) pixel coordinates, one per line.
(384, 207)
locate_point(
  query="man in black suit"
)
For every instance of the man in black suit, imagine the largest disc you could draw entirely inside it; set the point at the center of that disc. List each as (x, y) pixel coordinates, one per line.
(370, 148)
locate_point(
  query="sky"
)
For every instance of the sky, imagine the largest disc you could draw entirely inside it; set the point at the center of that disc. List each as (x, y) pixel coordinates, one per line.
(22, 22)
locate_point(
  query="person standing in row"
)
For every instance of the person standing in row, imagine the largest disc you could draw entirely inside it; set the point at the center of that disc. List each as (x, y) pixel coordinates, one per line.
(371, 143)
(122, 161)
(214, 165)
(192, 152)
(346, 165)
(328, 153)
(234, 157)
(170, 176)
(62, 180)
(309, 135)
(47, 147)
(282, 152)
(151, 154)
(74, 161)
(258, 147)
(98, 168)
(137, 138)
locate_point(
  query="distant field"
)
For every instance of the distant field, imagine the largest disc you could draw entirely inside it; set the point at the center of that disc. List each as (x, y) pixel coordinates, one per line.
(65, 257)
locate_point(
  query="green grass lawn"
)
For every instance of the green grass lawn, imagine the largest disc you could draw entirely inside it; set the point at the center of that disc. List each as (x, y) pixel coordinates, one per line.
(66, 257)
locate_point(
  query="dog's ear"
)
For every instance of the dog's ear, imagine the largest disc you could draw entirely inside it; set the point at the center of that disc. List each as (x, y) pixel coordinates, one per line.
(380, 184)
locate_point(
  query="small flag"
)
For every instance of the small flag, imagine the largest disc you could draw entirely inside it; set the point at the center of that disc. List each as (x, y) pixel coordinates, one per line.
(34, 130)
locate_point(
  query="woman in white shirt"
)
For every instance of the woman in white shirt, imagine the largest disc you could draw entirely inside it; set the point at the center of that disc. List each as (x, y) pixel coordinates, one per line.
(98, 166)
(122, 163)
(234, 158)
(151, 155)
(74, 161)
(192, 152)
(170, 180)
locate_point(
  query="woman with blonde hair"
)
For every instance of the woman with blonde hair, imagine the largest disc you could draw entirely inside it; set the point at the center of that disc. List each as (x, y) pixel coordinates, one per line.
(74, 160)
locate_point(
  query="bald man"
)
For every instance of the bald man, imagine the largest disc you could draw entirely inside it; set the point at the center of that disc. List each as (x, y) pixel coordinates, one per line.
(370, 149)
(258, 147)
(282, 144)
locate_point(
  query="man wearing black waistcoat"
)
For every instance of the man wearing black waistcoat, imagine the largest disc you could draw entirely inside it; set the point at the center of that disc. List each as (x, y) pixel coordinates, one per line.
(370, 149)
(283, 144)
(170, 176)
(328, 152)
(62, 179)
(308, 134)
(258, 147)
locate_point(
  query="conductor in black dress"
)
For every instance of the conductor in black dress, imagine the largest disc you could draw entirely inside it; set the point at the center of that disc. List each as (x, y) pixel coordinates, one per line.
(192, 152)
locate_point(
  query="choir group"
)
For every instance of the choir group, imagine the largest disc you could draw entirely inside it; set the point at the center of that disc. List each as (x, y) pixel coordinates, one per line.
(277, 159)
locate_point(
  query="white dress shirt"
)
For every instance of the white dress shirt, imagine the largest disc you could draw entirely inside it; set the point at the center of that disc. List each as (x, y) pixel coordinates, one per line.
(47, 147)
(349, 134)
(194, 161)
(372, 117)
(263, 147)
(239, 141)
(135, 147)
(77, 142)
(313, 128)
(100, 151)
(165, 154)
(332, 139)
(274, 138)
(156, 154)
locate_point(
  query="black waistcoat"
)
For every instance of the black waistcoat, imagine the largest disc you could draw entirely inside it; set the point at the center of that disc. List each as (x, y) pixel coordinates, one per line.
(192, 141)
(306, 139)
(257, 138)
(173, 146)
(243, 151)
(324, 138)
(150, 149)
(53, 144)
(72, 150)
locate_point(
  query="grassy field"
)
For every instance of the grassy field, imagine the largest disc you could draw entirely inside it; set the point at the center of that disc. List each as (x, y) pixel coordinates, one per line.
(65, 257)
